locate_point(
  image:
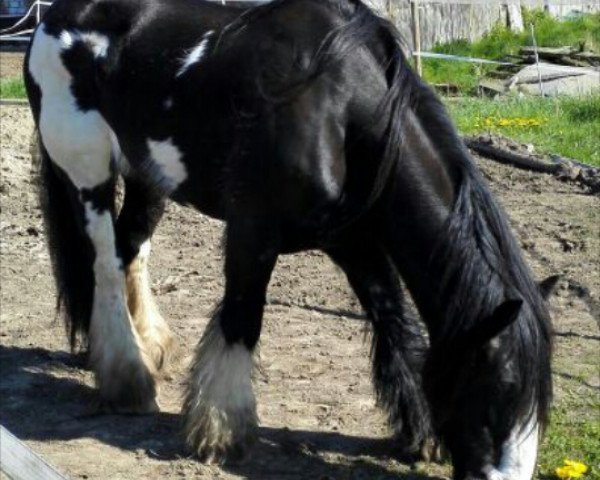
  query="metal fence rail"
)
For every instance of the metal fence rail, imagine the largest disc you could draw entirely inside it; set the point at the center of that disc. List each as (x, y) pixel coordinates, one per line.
(415, 23)
(523, 3)
(13, 34)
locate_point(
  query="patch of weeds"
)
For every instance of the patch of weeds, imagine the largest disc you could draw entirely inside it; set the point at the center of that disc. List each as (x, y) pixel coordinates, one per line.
(12, 88)
(581, 32)
(569, 127)
(574, 434)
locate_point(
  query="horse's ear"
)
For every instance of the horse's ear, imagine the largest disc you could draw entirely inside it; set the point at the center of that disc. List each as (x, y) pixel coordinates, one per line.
(548, 285)
(492, 326)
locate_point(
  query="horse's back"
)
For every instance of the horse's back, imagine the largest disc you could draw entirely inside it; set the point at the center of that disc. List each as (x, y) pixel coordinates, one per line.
(203, 101)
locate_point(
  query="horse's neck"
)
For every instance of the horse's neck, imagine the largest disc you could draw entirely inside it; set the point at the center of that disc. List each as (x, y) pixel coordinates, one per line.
(418, 205)
(437, 234)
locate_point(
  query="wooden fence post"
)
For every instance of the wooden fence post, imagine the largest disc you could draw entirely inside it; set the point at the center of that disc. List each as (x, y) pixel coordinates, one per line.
(416, 31)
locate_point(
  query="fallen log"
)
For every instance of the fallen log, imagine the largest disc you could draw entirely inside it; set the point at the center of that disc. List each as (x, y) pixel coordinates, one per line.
(590, 57)
(572, 62)
(549, 78)
(523, 162)
(545, 52)
(562, 168)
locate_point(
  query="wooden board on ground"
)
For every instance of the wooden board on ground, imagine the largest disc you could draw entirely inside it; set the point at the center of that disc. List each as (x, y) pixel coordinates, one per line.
(19, 462)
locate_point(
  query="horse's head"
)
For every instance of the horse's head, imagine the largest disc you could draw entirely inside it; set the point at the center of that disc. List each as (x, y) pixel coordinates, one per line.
(482, 404)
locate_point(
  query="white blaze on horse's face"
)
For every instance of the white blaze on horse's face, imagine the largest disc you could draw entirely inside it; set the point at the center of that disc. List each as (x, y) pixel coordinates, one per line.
(167, 157)
(519, 454)
(196, 54)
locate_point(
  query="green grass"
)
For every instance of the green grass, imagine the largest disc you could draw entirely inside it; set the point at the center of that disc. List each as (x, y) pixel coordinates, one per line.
(582, 32)
(574, 434)
(569, 126)
(12, 88)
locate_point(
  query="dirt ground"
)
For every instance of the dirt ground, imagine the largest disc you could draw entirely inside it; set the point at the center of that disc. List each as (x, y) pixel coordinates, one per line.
(11, 64)
(318, 416)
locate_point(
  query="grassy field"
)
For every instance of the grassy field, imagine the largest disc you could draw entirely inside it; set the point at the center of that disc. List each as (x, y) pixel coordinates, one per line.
(574, 433)
(564, 126)
(581, 32)
(12, 88)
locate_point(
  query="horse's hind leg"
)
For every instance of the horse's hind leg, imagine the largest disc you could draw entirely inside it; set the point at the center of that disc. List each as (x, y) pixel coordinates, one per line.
(220, 408)
(123, 371)
(139, 216)
(398, 344)
(79, 203)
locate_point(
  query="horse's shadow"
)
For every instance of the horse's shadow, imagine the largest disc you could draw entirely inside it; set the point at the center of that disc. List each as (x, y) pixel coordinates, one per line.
(38, 403)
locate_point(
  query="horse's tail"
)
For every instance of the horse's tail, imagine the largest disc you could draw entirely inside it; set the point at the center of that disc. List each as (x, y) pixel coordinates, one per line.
(71, 252)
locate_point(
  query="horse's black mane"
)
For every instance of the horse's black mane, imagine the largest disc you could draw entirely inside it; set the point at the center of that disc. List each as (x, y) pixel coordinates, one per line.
(482, 266)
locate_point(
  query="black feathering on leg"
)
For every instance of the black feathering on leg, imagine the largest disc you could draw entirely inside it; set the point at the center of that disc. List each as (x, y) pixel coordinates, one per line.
(398, 344)
(398, 351)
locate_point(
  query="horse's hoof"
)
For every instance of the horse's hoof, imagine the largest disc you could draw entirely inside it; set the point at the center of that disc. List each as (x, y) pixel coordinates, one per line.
(222, 449)
(128, 387)
(225, 454)
(432, 450)
(147, 407)
(220, 437)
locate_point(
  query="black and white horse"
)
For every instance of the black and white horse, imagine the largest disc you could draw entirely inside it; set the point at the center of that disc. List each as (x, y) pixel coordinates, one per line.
(300, 124)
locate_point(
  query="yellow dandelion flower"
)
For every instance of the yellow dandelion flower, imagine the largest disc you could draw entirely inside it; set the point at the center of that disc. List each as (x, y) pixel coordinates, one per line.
(571, 469)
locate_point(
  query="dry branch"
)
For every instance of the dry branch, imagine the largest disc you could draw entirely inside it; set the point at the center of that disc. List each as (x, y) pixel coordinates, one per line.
(563, 168)
(488, 150)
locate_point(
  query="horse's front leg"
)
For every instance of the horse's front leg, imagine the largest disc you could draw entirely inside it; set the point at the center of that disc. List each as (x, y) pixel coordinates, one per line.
(220, 408)
(142, 210)
(398, 347)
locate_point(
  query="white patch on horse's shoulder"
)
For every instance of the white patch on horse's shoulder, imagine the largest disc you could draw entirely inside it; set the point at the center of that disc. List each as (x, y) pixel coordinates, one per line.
(519, 452)
(77, 141)
(168, 103)
(196, 54)
(167, 157)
